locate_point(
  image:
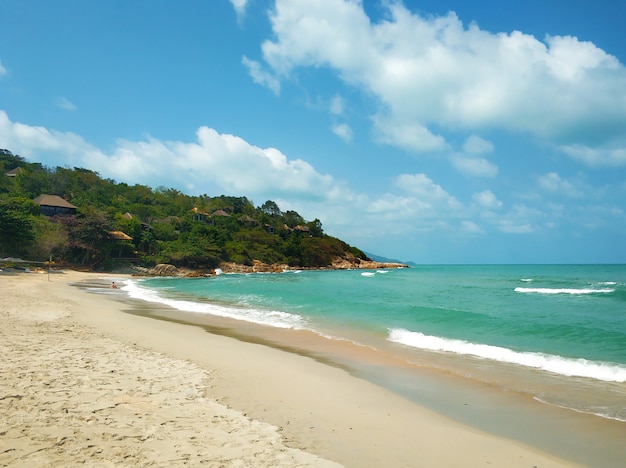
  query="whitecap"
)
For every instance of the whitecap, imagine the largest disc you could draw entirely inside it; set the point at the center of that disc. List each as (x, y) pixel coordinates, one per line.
(273, 318)
(564, 290)
(605, 371)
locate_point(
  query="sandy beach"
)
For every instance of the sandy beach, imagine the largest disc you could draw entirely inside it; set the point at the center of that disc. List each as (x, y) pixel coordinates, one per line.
(85, 383)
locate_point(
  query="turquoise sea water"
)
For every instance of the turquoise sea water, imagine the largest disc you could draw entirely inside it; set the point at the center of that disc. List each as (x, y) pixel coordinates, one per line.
(555, 332)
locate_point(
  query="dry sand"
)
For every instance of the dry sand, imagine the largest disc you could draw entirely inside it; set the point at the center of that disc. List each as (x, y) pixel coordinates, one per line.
(82, 382)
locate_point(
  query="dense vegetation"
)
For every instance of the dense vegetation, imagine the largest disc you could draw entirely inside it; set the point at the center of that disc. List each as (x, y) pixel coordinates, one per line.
(166, 226)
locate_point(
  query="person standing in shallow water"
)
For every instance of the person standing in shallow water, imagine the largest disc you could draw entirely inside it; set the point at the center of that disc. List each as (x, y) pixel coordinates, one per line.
(113, 285)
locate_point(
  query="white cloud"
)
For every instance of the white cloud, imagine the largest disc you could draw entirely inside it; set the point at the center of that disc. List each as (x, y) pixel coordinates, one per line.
(520, 220)
(221, 160)
(3, 71)
(471, 227)
(240, 8)
(477, 145)
(425, 193)
(337, 105)
(409, 135)
(473, 166)
(431, 72)
(605, 156)
(343, 131)
(261, 76)
(30, 140)
(510, 227)
(552, 182)
(64, 103)
(487, 200)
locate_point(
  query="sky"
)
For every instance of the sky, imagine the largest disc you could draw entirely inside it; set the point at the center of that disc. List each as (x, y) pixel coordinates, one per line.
(435, 131)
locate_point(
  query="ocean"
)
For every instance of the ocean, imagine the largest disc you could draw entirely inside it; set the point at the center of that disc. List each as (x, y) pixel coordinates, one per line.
(553, 333)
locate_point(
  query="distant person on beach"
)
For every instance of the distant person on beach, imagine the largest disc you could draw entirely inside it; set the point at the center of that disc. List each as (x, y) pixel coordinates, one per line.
(113, 285)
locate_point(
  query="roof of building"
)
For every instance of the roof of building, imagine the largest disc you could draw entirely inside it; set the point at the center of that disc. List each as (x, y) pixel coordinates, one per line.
(53, 200)
(197, 211)
(220, 213)
(15, 171)
(119, 235)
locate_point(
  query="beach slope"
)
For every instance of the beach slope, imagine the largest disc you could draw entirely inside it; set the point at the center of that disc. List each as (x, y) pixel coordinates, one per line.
(83, 382)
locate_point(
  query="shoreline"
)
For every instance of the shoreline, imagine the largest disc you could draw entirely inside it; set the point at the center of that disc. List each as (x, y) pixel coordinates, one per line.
(312, 411)
(483, 405)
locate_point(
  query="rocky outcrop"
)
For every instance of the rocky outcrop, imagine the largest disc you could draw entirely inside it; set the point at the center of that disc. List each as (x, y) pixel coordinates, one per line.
(354, 263)
(256, 267)
(339, 263)
(162, 269)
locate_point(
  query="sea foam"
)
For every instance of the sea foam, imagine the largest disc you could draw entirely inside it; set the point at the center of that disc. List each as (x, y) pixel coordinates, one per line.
(606, 371)
(564, 290)
(271, 318)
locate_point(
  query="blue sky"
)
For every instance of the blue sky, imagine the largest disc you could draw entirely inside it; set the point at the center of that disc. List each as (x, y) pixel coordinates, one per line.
(431, 131)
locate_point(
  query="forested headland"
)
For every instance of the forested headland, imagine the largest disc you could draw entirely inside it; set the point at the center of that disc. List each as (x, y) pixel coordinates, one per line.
(105, 225)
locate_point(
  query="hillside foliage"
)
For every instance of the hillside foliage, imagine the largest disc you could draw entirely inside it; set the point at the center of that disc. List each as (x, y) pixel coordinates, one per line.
(164, 224)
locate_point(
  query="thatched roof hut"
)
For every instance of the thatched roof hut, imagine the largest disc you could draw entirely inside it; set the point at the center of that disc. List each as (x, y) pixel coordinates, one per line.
(53, 205)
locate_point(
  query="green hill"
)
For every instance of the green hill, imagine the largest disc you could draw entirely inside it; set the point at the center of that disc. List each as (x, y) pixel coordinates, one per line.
(102, 224)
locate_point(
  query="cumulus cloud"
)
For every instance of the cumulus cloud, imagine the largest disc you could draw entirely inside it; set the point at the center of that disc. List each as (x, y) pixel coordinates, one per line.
(477, 145)
(222, 160)
(408, 135)
(552, 182)
(430, 72)
(606, 156)
(38, 141)
(487, 200)
(474, 166)
(520, 220)
(425, 193)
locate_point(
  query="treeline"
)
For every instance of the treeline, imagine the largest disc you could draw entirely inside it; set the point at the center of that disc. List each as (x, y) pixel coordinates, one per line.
(164, 224)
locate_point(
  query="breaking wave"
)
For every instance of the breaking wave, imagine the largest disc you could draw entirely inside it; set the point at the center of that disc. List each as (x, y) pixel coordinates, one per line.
(606, 371)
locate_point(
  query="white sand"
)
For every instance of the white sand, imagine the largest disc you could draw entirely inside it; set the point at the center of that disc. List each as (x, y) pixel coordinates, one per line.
(84, 383)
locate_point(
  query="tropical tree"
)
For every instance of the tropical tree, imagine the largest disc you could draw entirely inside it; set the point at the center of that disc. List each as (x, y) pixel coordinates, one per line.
(16, 230)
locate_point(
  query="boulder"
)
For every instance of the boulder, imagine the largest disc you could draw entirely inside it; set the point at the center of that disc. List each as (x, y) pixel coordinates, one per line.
(163, 269)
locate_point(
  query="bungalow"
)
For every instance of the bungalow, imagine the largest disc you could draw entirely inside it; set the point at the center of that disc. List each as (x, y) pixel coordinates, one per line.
(198, 215)
(248, 219)
(220, 213)
(14, 172)
(53, 205)
(123, 246)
